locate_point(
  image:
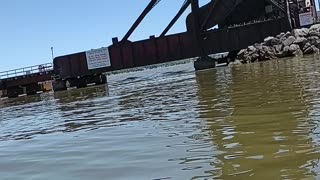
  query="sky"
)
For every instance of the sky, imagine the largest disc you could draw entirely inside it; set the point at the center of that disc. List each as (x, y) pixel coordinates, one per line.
(29, 28)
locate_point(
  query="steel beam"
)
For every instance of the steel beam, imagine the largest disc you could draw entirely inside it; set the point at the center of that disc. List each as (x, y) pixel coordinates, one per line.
(140, 18)
(204, 23)
(174, 20)
(196, 26)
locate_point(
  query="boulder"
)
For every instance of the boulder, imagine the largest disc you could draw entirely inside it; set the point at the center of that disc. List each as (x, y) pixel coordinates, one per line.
(241, 53)
(280, 35)
(277, 48)
(271, 53)
(271, 41)
(300, 32)
(298, 53)
(294, 49)
(234, 63)
(287, 34)
(314, 40)
(267, 53)
(300, 41)
(315, 27)
(254, 57)
(251, 49)
(314, 33)
(306, 46)
(249, 58)
(289, 41)
(316, 50)
(283, 53)
(258, 46)
(284, 36)
(314, 30)
(311, 49)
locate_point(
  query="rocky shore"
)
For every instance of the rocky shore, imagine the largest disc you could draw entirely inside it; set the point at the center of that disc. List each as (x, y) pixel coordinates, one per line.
(295, 43)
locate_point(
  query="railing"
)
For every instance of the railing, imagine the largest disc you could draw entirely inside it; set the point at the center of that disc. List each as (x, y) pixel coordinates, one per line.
(26, 71)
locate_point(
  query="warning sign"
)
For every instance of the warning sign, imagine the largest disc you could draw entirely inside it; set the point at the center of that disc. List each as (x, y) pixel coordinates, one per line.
(98, 58)
(306, 19)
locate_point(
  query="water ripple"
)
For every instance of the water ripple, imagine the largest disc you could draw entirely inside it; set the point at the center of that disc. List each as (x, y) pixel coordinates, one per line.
(247, 122)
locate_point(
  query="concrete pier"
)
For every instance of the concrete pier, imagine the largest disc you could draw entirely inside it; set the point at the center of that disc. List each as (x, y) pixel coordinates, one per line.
(204, 63)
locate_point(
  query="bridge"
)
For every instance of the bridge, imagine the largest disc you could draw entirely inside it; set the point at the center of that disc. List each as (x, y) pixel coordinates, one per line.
(25, 80)
(240, 23)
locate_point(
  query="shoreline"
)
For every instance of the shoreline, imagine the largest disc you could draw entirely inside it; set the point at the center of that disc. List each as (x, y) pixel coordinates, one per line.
(298, 42)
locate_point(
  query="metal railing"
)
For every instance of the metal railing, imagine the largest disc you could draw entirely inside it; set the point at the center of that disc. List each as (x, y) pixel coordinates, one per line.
(42, 68)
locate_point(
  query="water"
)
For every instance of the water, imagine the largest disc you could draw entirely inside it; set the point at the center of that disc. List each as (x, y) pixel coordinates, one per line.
(257, 121)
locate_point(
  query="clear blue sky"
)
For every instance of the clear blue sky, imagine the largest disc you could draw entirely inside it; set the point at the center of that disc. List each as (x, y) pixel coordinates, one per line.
(29, 28)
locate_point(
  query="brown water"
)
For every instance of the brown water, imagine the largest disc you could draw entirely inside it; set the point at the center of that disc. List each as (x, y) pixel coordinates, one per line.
(258, 121)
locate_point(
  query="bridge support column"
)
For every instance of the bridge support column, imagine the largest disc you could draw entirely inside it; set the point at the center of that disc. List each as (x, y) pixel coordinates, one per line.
(59, 85)
(2, 93)
(13, 92)
(32, 89)
(204, 62)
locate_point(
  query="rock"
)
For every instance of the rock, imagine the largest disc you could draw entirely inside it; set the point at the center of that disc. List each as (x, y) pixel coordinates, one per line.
(314, 33)
(314, 30)
(258, 46)
(300, 41)
(293, 48)
(235, 63)
(283, 45)
(305, 31)
(271, 53)
(298, 53)
(311, 49)
(315, 27)
(289, 41)
(280, 55)
(277, 48)
(287, 34)
(267, 53)
(314, 40)
(300, 32)
(280, 35)
(254, 57)
(286, 50)
(268, 38)
(306, 46)
(271, 41)
(252, 49)
(241, 53)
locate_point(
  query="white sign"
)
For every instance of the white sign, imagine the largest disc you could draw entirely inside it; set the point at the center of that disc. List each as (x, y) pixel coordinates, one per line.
(305, 18)
(98, 58)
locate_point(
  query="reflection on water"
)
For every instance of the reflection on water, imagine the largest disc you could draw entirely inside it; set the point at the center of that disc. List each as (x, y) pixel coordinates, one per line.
(260, 121)
(246, 122)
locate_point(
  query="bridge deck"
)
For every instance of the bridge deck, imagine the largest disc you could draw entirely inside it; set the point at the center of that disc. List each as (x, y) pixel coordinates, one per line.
(26, 71)
(26, 75)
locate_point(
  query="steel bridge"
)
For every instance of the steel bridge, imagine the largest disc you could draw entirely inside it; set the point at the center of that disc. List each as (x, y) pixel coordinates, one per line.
(240, 23)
